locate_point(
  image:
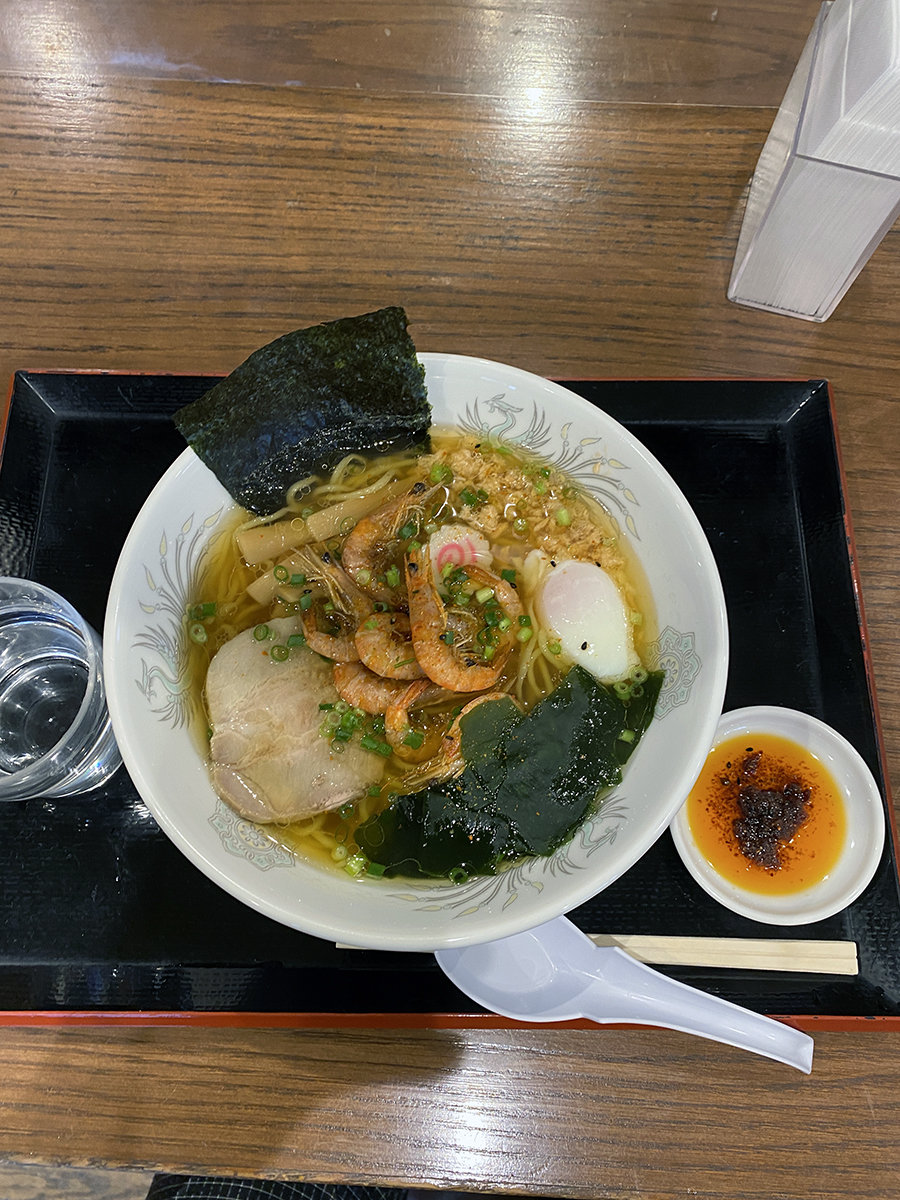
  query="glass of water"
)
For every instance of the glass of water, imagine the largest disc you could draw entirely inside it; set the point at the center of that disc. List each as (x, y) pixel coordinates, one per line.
(56, 738)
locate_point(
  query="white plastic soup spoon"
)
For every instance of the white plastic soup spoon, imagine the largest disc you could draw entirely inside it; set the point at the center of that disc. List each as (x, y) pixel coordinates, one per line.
(556, 973)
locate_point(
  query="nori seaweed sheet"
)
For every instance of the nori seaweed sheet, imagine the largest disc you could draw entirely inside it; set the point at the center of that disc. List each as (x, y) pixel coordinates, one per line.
(298, 405)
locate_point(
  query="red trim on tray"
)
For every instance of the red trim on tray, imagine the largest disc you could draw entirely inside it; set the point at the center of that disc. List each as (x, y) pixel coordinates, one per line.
(324, 1020)
(4, 418)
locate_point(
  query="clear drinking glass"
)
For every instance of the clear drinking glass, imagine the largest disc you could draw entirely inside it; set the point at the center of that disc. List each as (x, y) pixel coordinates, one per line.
(56, 738)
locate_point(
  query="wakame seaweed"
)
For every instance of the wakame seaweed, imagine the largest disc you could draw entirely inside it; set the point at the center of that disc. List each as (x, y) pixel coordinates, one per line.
(528, 783)
(298, 405)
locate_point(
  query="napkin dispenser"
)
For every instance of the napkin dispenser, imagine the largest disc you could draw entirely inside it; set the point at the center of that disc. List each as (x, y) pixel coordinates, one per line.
(826, 188)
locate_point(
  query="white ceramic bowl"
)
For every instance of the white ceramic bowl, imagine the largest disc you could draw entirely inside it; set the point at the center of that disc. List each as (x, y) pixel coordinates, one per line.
(864, 842)
(144, 663)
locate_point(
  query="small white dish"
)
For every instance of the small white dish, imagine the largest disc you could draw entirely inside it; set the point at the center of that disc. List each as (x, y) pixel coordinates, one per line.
(864, 840)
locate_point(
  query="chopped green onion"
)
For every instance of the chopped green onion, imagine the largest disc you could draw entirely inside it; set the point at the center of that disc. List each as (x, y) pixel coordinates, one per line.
(298, 580)
(509, 575)
(374, 790)
(622, 688)
(554, 647)
(370, 624)
(261, 633)
(545, 471)
(281, 573)
(636, 691)
(296, 639)
(279, 653)
(408, 530)
(375, 870)
(627, 735)
(197, 633)
(378, 723)
(458, 875)
(414, 739)
(636, 618)
(363, 576)
(414, 546)
(325, 706)
(639, 675)
(488, 653)
(540, 487)
(339, 853)
(524, 619)
(356, 865)
(342, 735)
(563, 517)
(392, 577)
(201, 612)
(468, 497)
(377, 747)
(504, 623)
(306, 513)
(440, 473)
(305, 601)
(525, 635)
(346, 810)
(484, 594)
(520, 525)
(446, 637)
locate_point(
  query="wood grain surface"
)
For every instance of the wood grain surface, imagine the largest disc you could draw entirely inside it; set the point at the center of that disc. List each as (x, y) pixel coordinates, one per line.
(556, 186)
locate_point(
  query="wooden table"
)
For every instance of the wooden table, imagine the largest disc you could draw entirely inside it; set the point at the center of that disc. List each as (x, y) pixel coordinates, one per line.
(558, 186)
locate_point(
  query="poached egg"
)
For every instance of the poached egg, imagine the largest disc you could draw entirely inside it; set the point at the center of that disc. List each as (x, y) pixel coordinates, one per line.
(581, 604)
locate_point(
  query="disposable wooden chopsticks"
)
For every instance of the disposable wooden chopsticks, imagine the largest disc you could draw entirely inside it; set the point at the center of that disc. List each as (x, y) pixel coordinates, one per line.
(752, 954)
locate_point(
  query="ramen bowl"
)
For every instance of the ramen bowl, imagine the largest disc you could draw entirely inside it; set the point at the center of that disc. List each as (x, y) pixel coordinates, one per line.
(151, 702)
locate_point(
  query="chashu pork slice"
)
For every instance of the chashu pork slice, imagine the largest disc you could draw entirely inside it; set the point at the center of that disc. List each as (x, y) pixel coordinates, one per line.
(269, 761)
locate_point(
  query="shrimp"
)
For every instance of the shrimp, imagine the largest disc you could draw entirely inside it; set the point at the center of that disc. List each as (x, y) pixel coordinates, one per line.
(448, 762)
(338, 647)
(454, 668)
(450, 743)
(373, 693)
(397, 727)
(364, 689)
(366, 547)
(383, 644)
(505, 592)
(345, 606)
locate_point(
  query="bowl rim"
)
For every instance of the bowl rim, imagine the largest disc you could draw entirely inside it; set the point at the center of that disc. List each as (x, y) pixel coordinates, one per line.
(866, 825)
(549, 903)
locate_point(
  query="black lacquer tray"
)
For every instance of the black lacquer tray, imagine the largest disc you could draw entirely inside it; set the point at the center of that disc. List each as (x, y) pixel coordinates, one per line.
(101, 917)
